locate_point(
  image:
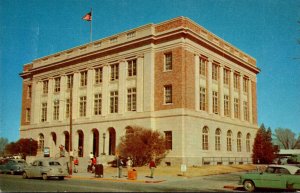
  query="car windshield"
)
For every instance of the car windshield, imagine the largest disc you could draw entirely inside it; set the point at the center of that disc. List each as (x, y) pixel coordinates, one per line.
(297, 172)
(54, 163)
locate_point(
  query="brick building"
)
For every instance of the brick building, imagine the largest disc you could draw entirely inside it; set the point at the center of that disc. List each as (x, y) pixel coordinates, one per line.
(175, 77)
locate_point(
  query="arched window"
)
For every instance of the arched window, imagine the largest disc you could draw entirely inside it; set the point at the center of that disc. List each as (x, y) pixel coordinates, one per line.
(41, 142)
(205, 138)
(248, 142)
(218, 139)
(239, 142)
(229, 139)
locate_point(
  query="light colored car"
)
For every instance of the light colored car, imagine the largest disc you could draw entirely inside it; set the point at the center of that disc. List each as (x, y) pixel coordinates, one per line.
(45, 168)
(283, 177)
(12, 166)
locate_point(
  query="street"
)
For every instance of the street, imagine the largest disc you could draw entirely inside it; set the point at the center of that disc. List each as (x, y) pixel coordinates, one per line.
(214, 183)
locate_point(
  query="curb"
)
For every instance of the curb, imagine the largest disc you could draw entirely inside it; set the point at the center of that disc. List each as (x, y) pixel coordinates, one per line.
(229, 187)
(114, 179)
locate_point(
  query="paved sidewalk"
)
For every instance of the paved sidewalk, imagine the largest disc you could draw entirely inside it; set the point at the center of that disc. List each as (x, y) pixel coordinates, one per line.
(111, 174)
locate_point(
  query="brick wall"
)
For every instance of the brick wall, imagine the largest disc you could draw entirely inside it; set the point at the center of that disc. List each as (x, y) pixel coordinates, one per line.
(26, 103)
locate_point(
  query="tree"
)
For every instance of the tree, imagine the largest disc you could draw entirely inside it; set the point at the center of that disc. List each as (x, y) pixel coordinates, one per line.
(264, 152)
(286, 138)
(142, 144)
(3, 143)
(23, 146)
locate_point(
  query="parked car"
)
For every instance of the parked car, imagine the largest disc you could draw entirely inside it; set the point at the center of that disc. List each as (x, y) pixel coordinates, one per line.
(274, 177)
(45, 168)
(12, 166)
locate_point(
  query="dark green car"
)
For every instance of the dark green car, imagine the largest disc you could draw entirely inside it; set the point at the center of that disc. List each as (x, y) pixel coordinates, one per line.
(283, 177)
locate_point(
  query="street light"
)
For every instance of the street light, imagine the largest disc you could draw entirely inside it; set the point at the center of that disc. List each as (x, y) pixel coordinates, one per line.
(103, 153)
(30, 146)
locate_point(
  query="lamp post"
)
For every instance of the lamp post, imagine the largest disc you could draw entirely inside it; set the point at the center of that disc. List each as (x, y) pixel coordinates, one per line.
(30, 146)
(103, 153)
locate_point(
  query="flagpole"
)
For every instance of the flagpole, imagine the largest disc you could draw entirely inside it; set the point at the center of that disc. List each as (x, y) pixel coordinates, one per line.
(91, 32)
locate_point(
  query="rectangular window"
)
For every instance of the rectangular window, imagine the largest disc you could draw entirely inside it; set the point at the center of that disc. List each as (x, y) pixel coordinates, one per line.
(82, 106)
(98, 75)
(226, 77)
(215, 71)
(131, 35)
(27, 119)
(168, 61)
(246, 113)
(131, 99)
(168, 94)
(83, 78)
(236, 108)
(45, 86)
(114, 72)
(168, 136)
(44, 112)
(202, 66)
(114, 40)
(29, 92)
(215, 102)
(239, 144)
(69, 81)
(57, 84)
(97, 104)
(202, 99)
(245, 85)
(226, 106)
(132, 68)
(114, 102)
(236, 81)
(68, 108)
(56, 110)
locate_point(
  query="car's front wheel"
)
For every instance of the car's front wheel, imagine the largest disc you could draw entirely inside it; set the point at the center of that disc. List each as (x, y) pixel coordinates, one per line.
(24, 175)
(249, 186)
(45, 177)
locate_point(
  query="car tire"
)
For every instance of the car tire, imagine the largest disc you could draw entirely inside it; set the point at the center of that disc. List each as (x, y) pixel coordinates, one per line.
(249, 185)
(61, 177)
(24, 175)
(45, 177)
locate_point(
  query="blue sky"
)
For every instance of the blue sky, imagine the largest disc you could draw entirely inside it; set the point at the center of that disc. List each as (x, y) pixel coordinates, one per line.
(265, 29)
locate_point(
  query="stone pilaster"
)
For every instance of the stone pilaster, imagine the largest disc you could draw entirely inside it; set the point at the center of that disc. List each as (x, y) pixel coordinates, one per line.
(140, 84)
(197, 84)
(122, 93)
(209, 86)
(231, 91)
(105, 91)
(221, 90)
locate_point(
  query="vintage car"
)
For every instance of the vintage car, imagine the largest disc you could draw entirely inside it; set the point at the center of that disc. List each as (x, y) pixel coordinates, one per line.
(45, 168)
(283, 177)
(12, 166)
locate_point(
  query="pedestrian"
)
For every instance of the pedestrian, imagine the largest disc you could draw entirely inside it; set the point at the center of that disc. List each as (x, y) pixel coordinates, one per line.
(76, 162)
(120, 166)
(152, 166)
(61, 151)
(94, 162)
(91, 155)
(129, 164)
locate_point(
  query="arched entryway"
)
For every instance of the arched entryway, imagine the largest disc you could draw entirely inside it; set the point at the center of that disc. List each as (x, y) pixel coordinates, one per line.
(95, 142)
(67, 142)
(80, 143)
(53, 137)
(112, 141)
